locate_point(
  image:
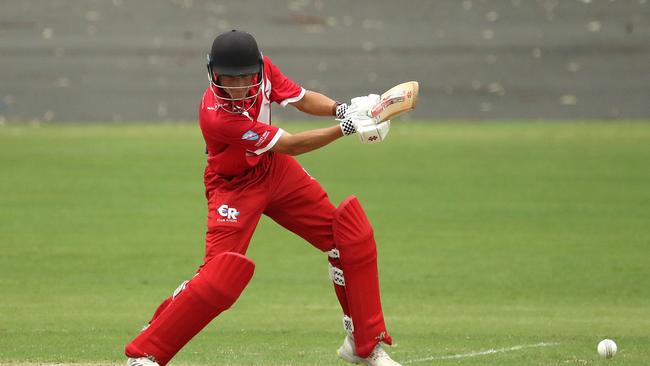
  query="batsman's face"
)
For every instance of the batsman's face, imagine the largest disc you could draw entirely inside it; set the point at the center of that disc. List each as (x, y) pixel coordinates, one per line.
(237, 86)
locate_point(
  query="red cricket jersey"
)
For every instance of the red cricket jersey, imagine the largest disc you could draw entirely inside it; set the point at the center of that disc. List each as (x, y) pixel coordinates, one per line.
(238, 142)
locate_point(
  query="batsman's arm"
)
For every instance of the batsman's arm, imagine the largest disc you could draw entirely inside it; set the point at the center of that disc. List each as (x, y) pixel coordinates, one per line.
(316, 104)
(306, 141)
(320, 105)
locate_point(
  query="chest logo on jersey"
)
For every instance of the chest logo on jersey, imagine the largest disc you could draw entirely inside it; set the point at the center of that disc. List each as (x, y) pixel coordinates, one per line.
(228, 214)
(250, 136)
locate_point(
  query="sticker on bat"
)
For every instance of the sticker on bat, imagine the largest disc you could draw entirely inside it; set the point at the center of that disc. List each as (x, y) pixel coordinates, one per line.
(379, 107)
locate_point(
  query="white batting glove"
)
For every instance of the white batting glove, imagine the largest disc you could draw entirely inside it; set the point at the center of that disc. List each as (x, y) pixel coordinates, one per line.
(345, 119)
(373, 133)
(355, 118)
(363, 104)
(356, 114)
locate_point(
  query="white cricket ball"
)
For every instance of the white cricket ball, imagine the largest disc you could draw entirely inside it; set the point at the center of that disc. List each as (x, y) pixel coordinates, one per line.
(607, 348)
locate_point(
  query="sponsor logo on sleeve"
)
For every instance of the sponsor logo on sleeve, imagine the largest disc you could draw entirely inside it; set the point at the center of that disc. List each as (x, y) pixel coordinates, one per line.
(263, 138)
(250, 136)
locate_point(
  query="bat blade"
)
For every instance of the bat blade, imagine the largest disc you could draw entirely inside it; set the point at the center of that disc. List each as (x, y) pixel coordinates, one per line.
(395, 101)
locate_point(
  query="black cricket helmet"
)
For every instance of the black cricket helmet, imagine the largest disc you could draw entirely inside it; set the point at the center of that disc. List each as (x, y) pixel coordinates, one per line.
(235, 53)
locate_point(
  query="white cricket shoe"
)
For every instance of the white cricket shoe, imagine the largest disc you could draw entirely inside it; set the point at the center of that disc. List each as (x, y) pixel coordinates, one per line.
(141, 361)
(378, 357)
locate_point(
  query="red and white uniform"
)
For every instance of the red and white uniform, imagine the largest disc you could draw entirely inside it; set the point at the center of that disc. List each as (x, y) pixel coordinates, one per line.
(244, 179)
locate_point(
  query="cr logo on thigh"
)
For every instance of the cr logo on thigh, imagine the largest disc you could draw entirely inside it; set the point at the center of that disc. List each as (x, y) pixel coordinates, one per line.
(228, 214)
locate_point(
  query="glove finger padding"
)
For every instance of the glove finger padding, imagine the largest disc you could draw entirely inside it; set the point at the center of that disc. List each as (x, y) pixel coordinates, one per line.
(372, 133)
(361, 105)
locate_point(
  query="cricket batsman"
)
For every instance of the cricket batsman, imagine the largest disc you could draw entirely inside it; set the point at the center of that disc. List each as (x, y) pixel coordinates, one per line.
(251, 171)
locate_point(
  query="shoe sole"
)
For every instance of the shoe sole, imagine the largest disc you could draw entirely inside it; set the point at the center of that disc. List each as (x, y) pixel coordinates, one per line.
(351, 359)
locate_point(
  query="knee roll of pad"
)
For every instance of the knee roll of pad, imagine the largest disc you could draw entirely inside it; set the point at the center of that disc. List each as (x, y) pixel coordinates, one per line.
(353, 233)
(223, 279)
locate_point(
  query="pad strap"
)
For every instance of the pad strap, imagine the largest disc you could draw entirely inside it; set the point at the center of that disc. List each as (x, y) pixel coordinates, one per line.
(336, 275)
(348, 326)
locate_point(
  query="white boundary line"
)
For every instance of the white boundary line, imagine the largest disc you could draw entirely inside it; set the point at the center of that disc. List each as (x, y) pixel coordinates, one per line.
(431, 358)
(94, 363)
(482, 353)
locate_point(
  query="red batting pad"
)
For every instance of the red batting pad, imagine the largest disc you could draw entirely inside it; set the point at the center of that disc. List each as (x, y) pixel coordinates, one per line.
(354, 239)
(216, 287)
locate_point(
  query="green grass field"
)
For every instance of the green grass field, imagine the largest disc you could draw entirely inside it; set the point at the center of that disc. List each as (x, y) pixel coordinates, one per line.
(529, 239)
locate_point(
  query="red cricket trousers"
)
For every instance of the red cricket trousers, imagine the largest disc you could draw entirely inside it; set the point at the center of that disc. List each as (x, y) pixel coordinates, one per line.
(277, 187)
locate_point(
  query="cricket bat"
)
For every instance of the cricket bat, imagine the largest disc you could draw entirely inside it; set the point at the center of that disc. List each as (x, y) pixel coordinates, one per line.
(395, 101)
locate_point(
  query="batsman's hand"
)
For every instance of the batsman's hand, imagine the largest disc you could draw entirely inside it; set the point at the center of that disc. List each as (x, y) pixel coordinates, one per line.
(356, 118)
(361, 105)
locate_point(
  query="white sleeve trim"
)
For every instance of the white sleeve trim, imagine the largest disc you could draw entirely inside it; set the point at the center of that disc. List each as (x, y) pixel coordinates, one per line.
(272, 143)
(294, 99)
